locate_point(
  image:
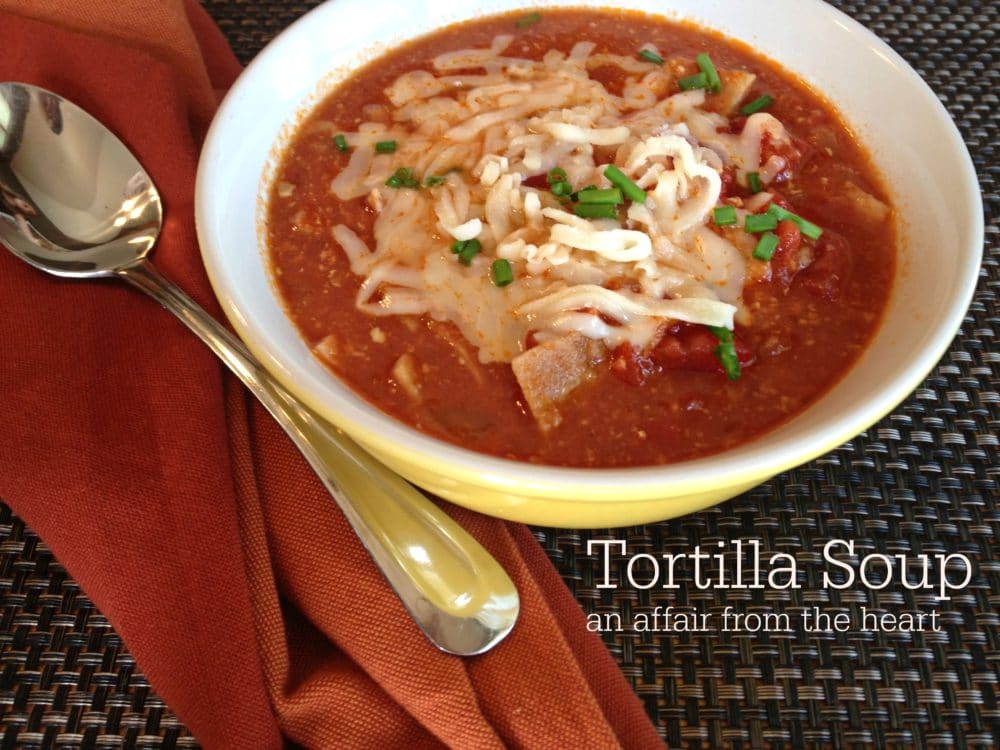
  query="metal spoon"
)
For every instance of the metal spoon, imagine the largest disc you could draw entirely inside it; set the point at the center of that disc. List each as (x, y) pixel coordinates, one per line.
(74, 202)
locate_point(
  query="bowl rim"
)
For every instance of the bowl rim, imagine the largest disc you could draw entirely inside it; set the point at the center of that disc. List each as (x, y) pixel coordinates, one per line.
(763, 456)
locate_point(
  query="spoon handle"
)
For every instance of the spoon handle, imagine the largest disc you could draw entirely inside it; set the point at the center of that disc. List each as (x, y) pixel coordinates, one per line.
(456, 592)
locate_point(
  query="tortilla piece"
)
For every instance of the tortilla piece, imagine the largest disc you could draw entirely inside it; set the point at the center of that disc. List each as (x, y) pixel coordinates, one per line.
(866, 206)
(549, 372)
(735, 86)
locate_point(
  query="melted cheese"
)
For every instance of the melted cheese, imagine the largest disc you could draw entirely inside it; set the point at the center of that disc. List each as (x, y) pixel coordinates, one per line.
(489, 123)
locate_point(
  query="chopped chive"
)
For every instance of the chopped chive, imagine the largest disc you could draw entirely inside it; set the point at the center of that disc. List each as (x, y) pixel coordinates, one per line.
(593, 195)
(649, 56)
(761, 102)
(528, 20)
(724, 216)
(755, 223)
(618, 178)
(403, 178)
(697, 81)
(723, 334)
(559, 182)
(556, 174)
(725, 352)
(501, 272)
(340, 141)
(596, 210)
(707, 67)
(766, 246)
(466, 250)
(807, 228)
(753, 181)
(561, 189)
(438, 179)
(385, 147)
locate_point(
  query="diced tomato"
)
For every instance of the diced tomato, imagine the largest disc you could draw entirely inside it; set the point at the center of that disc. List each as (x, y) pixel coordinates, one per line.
(630, 364)
(531, 340)
(737, 124)
(826, 276)
(769, 148)
(728, 182)
(692, 347)
(785, 261)
(538, 181)
(687, 347)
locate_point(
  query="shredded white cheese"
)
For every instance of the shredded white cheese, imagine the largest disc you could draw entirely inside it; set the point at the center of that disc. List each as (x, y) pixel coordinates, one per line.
(490, 123)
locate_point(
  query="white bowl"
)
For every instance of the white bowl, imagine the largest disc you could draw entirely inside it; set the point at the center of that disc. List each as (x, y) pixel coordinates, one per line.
(897, 117)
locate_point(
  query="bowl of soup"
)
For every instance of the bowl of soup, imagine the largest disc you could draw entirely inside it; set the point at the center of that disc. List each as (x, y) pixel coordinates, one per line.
(581, 265)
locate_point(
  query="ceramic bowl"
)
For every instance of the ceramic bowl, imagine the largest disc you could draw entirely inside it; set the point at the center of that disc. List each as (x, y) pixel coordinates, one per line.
(913, 141)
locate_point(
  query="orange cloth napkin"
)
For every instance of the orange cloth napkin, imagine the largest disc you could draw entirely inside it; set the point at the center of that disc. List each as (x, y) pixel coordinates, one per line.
(185, 513)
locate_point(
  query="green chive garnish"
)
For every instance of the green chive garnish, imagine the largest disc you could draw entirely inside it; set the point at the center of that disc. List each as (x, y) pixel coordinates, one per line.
(724, 216)
(385, 147)
(755, 223)
(596, 210)
(649, 56)
(753, 181)
(725, 352)
(707, 67)
(340, 142)
(807, 228)
(561, 189)
(593, 195)
(618, 178)
(433, 180)
(559, 182)
(697, 81)
(761, 102)
(403, 178)
(766, 246)
(528, 20)
(501, 272)
(466, 250)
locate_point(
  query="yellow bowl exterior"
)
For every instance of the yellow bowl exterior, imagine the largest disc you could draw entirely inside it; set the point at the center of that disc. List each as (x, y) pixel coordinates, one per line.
(580, 505)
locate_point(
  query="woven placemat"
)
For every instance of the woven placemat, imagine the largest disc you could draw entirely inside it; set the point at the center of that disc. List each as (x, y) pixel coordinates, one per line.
(922, 481)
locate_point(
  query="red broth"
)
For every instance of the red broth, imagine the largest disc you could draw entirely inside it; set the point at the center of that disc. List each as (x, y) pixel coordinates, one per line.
(807, 331)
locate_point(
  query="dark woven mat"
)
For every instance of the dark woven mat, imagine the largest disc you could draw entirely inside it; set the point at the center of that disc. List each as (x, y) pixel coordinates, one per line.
(924, 480)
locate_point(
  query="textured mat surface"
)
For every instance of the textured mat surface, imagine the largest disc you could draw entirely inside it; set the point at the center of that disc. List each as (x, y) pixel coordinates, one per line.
(924, 480)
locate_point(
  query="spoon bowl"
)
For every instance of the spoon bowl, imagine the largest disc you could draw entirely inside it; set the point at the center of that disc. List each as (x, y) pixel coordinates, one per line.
(75, 203)
(86, 208)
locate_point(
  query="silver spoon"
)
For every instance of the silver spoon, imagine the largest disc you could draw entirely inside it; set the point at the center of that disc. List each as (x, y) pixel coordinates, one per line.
(75, 202)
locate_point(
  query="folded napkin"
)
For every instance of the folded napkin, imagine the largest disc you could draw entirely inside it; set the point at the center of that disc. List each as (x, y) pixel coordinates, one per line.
(186, 514)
